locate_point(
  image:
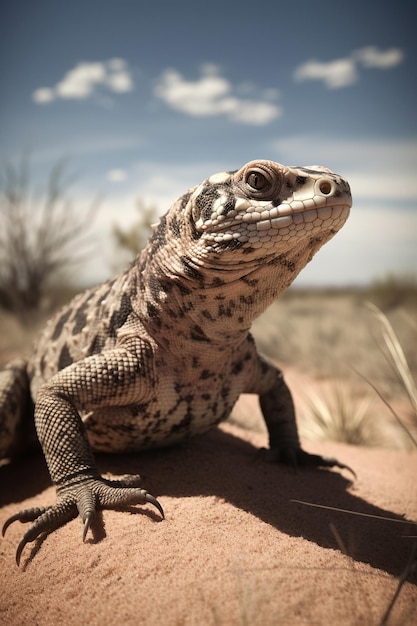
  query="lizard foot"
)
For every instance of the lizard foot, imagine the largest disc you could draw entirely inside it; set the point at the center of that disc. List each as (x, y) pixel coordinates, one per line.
(84, 499)
(297, 457)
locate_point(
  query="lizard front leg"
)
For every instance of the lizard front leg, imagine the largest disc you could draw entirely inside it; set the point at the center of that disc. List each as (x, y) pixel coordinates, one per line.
(108, 379)
(279, 414)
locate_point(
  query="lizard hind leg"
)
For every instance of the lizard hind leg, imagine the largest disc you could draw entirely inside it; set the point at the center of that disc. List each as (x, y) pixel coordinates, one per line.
(17, 430)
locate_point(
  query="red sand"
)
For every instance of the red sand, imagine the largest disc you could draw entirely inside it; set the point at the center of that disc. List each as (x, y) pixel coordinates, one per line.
(234, 549)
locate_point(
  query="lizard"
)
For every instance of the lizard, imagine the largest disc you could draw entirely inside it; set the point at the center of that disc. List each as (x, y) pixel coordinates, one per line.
(163, 351)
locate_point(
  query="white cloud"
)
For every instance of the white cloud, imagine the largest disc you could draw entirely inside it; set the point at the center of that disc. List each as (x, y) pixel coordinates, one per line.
(85, 79)
(345, 72)
(382, 59)
(120, 82)
(203, 97)
(117, 176)
(81, 81)
(213, 95)
(43, 95)
(335, 74)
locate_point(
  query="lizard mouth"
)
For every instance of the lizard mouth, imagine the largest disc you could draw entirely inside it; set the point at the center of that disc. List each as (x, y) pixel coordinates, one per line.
(258, 227)
(287, 215)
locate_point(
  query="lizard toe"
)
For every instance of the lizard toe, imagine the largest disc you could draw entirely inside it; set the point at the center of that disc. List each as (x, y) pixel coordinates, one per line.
(305, 459)
(325, 461)
(28, 515)
(116, 493)
(44, 520)
(297, 457)
(101, 493)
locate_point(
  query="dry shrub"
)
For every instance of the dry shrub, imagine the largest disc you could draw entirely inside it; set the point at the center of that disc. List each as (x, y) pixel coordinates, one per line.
(41, 235)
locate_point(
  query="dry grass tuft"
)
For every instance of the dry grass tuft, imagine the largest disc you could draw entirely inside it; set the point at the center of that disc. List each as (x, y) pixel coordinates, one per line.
(334, 414)
(331, 411)
(391, 348)
(397, 358)
(348, 348)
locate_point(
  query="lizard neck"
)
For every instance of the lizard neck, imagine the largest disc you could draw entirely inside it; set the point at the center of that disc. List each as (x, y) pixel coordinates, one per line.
(182, 300)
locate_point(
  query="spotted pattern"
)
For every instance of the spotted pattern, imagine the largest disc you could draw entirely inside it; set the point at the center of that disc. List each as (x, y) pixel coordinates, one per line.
(163, 351)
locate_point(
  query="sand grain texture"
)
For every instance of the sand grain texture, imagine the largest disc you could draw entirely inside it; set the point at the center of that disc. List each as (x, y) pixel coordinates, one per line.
(233, 549)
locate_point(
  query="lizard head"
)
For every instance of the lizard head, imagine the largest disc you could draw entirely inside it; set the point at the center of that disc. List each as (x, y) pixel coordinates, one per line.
(267, 208)
(265, 219)
(253, 229)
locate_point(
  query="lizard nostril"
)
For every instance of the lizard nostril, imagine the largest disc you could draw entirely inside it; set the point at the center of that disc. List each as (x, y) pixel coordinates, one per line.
(325, 187)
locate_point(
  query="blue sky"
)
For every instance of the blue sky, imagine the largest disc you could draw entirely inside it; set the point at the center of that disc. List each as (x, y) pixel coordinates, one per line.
(149, 99)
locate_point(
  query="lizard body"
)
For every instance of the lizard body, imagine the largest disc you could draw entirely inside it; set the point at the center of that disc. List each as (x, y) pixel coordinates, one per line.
(164, 350)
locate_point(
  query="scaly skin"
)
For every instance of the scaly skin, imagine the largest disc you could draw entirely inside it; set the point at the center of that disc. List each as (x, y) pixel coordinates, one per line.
(163, 351)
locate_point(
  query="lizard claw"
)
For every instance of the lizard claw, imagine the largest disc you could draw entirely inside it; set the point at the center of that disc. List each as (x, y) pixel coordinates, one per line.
(149, 498)
(29, 515)
(43, 520)
(83, 499)
(325, 461)
(87, 523)
(297, 457)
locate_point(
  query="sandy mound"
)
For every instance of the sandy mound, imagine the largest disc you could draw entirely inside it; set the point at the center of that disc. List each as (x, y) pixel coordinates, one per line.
(234, 548)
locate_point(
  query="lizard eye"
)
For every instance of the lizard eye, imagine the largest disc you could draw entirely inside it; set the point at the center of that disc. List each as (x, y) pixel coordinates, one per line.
(256, 180)
(262, 182)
